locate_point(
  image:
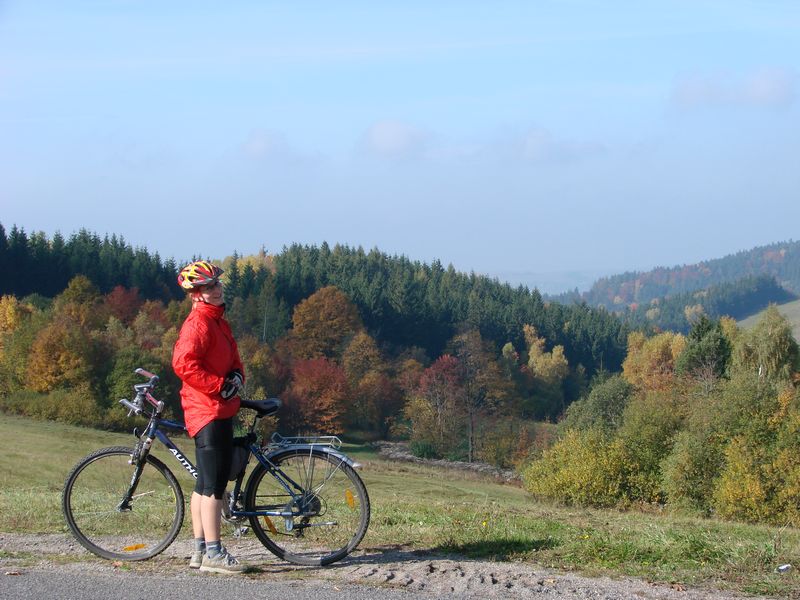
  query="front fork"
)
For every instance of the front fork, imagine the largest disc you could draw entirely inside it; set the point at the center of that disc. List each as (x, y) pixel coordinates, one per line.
(138, 459)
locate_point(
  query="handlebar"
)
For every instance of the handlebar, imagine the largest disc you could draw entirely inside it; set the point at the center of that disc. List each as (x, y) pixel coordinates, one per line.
(153, 378)
(143, 393)
(133, 409)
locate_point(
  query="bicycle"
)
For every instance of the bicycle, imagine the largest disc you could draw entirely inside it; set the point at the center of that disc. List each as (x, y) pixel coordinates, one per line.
(303, 499)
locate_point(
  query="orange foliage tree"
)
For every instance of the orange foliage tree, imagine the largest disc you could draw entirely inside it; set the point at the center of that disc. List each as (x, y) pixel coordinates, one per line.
(61, 356)
(316, 399)
(323, 323)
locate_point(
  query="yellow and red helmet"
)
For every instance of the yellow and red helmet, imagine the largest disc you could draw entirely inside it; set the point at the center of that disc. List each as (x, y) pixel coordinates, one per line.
(198, 274)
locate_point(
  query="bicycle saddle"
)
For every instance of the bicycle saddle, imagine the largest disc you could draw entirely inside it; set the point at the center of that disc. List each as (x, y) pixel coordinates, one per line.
(264, 408)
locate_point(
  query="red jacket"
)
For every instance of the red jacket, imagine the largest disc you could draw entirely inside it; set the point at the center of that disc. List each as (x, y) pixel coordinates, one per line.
(204, 354)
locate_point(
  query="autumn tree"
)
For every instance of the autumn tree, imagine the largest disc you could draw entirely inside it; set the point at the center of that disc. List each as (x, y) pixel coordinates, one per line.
(150, 324)
(485, 388)
(768, 350)
(316, 399)
(650, 363)
(12, 314)
(549, 370)
(433, 409)
(323, 323)
(265, 375)
(123, 303)
(82, 303)
(20, 326)
(61, 356)
(361, 356)
(376, 401)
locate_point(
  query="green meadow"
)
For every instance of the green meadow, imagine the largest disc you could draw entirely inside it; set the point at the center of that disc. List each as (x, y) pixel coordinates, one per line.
(423, 508)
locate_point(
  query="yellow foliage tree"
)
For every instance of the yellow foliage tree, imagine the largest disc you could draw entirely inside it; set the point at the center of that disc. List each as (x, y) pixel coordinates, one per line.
(740, 492)
(82, 303)
(650, 362)
(360, 357)
(59, 357)
(12, 312)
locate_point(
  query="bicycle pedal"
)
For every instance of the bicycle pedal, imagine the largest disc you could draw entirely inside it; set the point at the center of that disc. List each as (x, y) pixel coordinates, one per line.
(240, 531)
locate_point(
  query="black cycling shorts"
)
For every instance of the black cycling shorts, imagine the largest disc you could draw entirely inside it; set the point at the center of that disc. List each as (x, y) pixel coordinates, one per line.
(214, 449)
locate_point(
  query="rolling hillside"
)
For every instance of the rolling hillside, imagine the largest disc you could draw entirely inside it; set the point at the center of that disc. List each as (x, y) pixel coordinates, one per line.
(780, 260)
(791, 310)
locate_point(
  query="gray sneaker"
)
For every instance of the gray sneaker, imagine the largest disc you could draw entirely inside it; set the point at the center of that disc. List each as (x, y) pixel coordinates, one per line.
(197, 559)
(222, 563)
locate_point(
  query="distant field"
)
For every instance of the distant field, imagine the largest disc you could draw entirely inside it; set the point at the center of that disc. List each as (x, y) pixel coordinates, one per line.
(791, 310)
(419, 507)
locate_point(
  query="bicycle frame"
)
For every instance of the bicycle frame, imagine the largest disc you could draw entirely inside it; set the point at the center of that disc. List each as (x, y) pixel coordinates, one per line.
(292, 488)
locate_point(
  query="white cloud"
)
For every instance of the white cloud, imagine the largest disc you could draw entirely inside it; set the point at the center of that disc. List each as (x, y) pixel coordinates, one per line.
(395, 140)
(766, 88)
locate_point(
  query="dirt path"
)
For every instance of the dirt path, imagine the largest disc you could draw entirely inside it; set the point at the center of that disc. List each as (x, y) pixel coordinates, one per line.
(431, 575)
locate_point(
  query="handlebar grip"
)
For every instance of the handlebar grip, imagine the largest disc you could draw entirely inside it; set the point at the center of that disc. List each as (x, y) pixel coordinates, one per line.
(153, 378)
(130, 405)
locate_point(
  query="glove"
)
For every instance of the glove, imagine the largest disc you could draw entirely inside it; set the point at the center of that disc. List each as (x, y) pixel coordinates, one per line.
(233, 382)
(236, 377)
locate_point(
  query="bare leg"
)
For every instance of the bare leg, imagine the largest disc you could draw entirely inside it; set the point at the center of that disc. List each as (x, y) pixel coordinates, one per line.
(197, 518)
(210, 515)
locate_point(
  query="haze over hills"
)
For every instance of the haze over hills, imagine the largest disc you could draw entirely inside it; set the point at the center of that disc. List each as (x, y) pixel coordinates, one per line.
(736, 285)
(780, 260)
(554, 282)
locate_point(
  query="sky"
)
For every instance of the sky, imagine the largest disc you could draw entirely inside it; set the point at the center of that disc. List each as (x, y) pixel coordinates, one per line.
(544, 142)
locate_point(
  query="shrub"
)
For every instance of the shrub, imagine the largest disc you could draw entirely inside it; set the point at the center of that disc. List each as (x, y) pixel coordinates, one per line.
(689, 470)
(75, 406)
(740, 492)
(423, 449)
(583, 468)
(602, 408)
(649, 425)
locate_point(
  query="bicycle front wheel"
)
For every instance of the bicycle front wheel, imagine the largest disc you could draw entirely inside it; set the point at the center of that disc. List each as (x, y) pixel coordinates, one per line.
(93, 506)
(324, 518)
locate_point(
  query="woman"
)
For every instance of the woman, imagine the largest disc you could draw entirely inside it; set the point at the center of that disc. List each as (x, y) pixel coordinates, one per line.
(207, 361)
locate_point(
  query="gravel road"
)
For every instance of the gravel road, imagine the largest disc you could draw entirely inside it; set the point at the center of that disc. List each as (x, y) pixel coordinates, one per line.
(55, 566)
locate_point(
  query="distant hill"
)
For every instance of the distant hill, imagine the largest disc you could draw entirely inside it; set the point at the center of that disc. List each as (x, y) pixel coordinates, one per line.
(618, 292)
(738, 299)
(790, 310)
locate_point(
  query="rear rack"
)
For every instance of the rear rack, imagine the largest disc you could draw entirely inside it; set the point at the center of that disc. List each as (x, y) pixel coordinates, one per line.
(331, 441)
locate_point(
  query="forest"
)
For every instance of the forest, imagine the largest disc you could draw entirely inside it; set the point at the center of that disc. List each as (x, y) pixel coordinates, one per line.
(327, 329)
(780, 261)
(738, 300)
(591, 409)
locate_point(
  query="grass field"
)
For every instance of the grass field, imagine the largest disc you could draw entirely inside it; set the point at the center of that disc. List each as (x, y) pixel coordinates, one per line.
(417, 507)
(790, 310)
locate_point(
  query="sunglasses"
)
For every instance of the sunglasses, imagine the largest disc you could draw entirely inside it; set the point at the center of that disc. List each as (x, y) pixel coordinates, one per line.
(211, 286)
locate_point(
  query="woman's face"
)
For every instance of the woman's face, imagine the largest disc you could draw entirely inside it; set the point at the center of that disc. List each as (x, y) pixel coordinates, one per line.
(212, 293)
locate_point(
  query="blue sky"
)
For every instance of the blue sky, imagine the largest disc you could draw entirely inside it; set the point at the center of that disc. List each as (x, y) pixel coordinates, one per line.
(520, 139)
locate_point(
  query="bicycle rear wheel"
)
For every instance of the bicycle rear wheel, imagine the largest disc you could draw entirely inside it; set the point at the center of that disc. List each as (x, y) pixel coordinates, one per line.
(330, 512)
(92, 497)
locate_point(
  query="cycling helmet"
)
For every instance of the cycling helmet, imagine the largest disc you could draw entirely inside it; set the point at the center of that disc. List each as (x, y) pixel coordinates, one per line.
(198, 274)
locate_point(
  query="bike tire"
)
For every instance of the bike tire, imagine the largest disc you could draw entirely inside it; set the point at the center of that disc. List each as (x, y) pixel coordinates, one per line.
(331, 518)
(95, 488)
